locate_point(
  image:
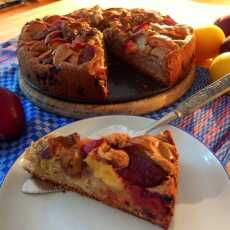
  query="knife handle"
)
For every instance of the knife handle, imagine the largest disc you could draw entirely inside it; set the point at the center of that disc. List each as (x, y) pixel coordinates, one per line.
(204, 96)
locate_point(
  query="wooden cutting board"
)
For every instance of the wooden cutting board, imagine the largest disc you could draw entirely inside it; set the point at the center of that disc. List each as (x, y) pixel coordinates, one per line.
(130, 95)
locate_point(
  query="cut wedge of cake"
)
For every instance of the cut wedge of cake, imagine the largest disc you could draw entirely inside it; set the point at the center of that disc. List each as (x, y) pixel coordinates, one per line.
(138, 175)
(155, 44)
(64, 57)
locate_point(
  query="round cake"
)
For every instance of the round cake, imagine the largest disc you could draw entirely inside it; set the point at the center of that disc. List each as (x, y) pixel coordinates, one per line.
(65, 56)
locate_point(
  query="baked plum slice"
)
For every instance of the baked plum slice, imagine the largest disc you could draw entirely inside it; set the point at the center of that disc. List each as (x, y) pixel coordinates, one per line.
(142, 170)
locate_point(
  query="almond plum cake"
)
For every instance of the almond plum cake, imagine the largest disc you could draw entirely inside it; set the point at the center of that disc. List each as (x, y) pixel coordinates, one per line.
(65, 56)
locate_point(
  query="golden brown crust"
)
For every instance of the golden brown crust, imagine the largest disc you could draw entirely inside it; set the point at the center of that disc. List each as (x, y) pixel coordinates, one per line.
(180, 63)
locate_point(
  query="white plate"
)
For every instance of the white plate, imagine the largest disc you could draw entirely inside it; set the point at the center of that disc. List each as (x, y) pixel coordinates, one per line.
(203, 199)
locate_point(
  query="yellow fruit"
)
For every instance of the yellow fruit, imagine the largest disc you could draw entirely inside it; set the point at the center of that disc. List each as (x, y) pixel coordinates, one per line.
(220, 66)
(208, 41)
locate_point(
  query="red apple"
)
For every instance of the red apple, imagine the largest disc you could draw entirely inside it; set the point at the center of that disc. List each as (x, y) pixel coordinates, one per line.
(11, 115)
(225, 47)
(224, 23)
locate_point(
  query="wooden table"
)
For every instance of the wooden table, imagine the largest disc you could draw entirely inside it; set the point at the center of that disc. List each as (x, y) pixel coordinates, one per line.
(192, 12)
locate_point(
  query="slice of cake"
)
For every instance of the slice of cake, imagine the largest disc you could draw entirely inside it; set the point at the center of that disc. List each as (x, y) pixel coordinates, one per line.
(138, 175)
(63, 57)
(155, 44)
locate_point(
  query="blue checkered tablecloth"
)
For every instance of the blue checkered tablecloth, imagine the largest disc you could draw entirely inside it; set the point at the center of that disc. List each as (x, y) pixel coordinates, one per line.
(210, 124)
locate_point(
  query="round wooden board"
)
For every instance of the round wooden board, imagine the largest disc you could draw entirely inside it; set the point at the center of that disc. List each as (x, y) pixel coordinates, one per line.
(78, 110)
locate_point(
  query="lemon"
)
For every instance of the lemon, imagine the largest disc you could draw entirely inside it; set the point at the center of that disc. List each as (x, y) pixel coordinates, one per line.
(208, 41)
(220, 66)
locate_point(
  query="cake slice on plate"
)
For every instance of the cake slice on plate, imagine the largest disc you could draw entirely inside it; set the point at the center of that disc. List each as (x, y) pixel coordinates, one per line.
(138, 175)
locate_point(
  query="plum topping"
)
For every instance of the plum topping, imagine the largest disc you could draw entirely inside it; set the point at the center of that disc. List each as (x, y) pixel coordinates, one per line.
(153, 204)
(77, 44)
(46, 153)
(142, 171)
(86, 54)
(143, 26)
(55, 42)
(89, 146)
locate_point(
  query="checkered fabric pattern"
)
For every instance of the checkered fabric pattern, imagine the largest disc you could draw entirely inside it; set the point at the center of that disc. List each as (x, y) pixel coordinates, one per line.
(210, 124)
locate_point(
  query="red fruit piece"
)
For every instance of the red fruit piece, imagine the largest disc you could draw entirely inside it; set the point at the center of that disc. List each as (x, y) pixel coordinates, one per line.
(11, 115)
(46, 153)
(130, 47)
(153, 204)
(142, 171)
(86, 54)
(78, 44)
(55, 42)
(143, 26)
(89, 146)
(169, 21)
